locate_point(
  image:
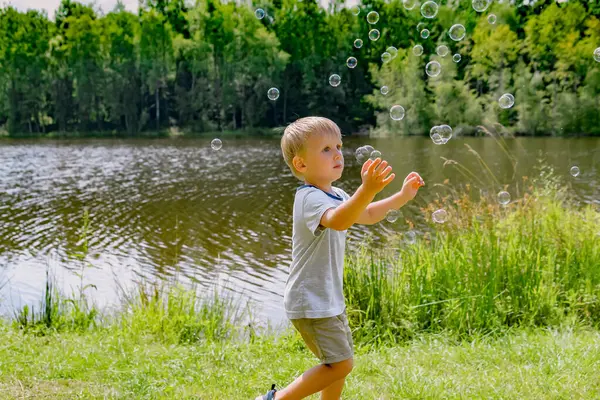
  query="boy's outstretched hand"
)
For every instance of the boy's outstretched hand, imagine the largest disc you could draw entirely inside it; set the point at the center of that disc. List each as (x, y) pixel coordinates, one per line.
(375, 175)
(411, 185)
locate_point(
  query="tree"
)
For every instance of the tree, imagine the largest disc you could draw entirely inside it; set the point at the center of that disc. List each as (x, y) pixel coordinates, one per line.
(156, 55)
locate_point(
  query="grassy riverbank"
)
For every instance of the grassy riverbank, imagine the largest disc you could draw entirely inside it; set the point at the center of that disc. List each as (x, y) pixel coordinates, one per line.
(112, 364)
(498, 302)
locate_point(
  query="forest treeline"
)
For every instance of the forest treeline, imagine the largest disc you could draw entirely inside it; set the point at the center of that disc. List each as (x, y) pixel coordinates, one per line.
(208, 67)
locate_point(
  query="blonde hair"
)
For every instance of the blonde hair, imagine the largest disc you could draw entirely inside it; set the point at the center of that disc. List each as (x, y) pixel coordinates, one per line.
(297, 133)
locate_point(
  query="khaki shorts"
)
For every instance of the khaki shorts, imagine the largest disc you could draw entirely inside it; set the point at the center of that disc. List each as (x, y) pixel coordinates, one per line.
(330, 339)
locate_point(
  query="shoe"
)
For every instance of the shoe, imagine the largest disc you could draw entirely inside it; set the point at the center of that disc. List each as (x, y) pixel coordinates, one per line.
(270, 394)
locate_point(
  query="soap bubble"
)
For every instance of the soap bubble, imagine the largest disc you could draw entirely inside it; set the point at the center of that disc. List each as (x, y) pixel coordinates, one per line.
(351, 62)
(216, 144)
(457, 32)
(575, 170)
(259, 13)
(409, 4)
(373, 34)
(392, 215)
(437, 138)
(335, 80)
(442, 50)
(386, 57)
(440, 216)
(433, 68)
(429, 9)
(358, 43)
(434, 134)
(480, 5)
(507, 100)
(375, 154)
(369, 149)
(361, 154)
(492, 19)
(597, 54)
(355, 10)
(417, 50)
(503, 198)
(410, 237)
(397, 112)
(456, 58)
(420, 26)
(425, 33)
(445, 131)
(384, 90)
(273, 93)
(372, 17)
(393, 51)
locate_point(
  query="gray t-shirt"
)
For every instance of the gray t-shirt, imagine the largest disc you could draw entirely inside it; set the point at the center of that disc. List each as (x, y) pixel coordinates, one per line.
(314, 288)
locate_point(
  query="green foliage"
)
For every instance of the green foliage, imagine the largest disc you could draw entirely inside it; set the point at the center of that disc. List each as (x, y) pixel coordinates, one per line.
(208, 66)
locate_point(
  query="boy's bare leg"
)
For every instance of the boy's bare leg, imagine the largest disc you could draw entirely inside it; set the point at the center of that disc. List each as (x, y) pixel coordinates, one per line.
(315, 380)
(333, 391)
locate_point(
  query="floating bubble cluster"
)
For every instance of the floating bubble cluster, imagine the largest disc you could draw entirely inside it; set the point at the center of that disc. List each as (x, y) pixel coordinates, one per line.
(440, 134)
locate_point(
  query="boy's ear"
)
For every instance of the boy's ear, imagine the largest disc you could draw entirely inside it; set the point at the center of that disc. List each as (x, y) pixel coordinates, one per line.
(298, 163)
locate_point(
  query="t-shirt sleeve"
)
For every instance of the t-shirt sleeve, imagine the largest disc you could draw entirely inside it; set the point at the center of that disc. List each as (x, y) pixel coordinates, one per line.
(315, 205)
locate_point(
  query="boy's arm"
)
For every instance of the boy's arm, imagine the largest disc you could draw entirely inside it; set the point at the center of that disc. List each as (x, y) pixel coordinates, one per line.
(377, 211)
(349, 212)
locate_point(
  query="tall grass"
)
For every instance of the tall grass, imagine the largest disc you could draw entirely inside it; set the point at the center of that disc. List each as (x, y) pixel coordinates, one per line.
(535, 262)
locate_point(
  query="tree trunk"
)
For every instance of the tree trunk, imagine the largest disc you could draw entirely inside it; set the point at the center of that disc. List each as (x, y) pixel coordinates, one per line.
(157, 109)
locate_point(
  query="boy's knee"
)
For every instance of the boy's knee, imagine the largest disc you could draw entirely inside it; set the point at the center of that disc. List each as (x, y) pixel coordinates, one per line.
(343, 368)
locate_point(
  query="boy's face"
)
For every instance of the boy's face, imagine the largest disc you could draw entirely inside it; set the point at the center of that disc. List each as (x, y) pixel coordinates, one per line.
(322, 161)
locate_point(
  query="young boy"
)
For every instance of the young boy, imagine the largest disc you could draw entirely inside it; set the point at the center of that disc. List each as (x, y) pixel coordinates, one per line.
(313, 298)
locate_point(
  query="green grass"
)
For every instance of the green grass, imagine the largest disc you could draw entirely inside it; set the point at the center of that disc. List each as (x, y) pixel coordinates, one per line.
(109, 363)
(533, 263)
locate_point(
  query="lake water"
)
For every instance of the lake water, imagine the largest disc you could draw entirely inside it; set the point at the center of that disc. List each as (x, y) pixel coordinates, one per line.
(217, 218)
